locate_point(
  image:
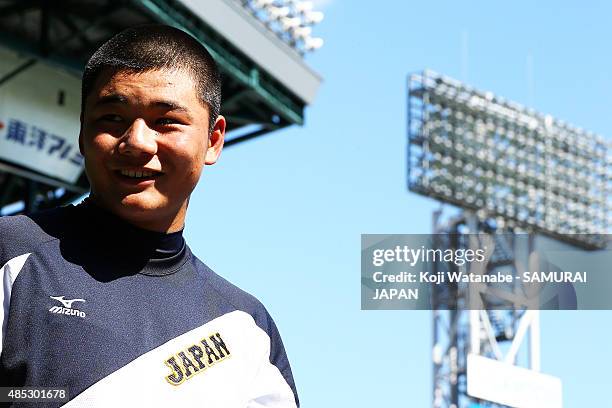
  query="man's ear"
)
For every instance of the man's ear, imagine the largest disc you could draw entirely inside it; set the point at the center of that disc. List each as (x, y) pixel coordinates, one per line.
(215, 141)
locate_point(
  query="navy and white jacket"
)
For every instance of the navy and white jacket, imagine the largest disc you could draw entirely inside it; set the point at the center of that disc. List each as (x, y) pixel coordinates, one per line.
(124, 317)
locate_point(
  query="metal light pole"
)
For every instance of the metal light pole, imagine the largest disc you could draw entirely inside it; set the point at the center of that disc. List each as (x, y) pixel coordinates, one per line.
(513, 173)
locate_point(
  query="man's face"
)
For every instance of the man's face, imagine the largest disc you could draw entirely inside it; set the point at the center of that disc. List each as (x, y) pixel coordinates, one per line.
(145, 140)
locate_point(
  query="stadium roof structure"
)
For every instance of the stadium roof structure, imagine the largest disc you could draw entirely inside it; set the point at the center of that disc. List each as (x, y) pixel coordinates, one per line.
(266, 83)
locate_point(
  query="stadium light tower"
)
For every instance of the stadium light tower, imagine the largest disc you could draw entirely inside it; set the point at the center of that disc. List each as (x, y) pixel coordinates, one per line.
(509, 170)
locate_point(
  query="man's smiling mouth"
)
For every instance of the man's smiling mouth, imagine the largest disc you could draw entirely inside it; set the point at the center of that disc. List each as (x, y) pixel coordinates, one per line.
(139, 174)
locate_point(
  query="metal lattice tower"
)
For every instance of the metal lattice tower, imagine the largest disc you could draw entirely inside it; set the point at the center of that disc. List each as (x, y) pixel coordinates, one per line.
(463, 326)
(514, 174)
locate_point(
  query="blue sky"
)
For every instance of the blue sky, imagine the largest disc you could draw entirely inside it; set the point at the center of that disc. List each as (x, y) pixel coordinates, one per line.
(281, 216)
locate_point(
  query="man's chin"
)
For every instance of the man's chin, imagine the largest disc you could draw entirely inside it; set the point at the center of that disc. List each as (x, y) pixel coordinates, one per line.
(145, 215)
(145, 210)
(139, 206)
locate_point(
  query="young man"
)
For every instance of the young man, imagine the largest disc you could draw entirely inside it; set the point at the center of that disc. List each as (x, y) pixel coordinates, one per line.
(105, 298)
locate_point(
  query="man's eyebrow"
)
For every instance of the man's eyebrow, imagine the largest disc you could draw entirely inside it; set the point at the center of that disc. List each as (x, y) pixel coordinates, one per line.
(172, 106)
(162, 103)
(110, 99)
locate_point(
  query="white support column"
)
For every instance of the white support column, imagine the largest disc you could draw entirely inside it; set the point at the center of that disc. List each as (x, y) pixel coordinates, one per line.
(475, 332)
(534, 342)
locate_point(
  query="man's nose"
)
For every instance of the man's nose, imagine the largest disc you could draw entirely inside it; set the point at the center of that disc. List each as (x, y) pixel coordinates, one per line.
(138, 140)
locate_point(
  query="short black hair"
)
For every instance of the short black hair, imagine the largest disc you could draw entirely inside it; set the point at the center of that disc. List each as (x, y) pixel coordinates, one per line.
(157, 46)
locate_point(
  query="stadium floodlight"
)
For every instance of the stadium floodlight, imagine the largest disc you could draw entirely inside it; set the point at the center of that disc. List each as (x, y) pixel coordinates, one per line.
(313, 17)
(290, 20)
(539, 173)
(302, 32)
(304, 6)
(313, 43)
(276, 13)
(262, 3)
(289, 23)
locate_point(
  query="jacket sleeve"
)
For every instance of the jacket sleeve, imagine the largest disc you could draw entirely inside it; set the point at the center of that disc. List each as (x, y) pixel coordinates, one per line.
(15, 248)
(273, 386)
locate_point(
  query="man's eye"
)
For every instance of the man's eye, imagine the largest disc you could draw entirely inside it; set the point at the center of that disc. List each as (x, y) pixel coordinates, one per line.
(167, 121)
(111, 118)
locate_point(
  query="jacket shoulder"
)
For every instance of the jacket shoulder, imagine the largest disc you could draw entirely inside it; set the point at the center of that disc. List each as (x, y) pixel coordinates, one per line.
(20, 234)
(230, 297)
(238, 299)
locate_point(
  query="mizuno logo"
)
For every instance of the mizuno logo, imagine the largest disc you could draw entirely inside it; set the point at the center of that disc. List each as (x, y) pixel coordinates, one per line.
(67, 303)
(67, 309)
